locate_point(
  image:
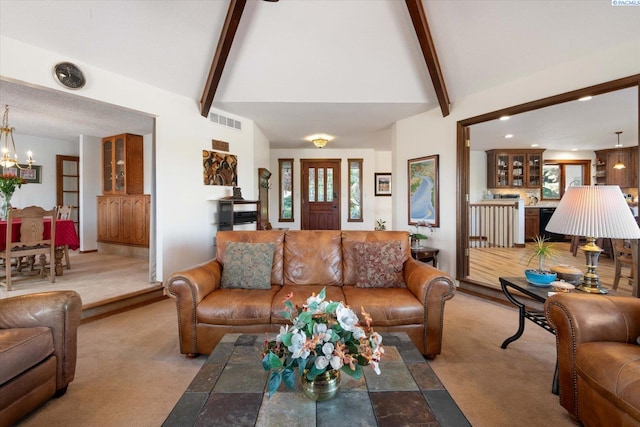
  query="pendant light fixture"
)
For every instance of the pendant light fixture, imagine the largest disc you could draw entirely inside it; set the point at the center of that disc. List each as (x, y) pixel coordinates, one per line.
(619, 164)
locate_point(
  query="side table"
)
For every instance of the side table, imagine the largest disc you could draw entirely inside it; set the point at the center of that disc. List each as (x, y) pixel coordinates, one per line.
(425, 254)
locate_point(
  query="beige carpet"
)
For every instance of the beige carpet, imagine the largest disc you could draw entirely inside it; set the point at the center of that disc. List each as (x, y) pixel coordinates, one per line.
(130, 372)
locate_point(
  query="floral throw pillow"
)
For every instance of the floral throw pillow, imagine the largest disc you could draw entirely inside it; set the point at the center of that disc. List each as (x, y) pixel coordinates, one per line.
(379, 264)
(248, 265)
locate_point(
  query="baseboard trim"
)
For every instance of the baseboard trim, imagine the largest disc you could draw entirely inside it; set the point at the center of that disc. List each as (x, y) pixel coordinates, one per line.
(122, 303)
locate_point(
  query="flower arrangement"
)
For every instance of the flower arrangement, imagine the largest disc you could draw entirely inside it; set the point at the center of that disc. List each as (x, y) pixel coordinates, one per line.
(324, 336)
(9, 183)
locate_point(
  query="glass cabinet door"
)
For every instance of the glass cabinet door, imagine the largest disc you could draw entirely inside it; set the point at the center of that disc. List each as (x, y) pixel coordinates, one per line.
(534, 170)
(107, 169)
(120, 165)
(502, 168)
(518, 170)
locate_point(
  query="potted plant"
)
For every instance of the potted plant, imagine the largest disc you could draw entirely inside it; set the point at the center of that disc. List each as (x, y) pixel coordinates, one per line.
(417, 236)
(541, 249)
(381, 225)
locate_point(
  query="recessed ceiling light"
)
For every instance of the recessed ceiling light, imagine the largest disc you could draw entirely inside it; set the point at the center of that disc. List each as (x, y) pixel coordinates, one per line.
(534, 145)
(574, 149)
(503, 118)
(585, 98)
(508, 136)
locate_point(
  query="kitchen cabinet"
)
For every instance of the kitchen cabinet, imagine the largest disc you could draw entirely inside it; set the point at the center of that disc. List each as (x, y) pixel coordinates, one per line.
(122, 164)
(514, 168)
(531, 223)
(124, 219)
(607, 175)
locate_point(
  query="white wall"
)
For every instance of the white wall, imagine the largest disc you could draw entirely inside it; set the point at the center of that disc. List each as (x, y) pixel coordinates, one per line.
(44, 153)
(90, 188)
(184, 222)
(384, 204)
(429, 133)
(368, 167)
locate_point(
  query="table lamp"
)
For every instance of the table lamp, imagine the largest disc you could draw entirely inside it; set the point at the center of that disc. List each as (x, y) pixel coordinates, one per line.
(594, 212)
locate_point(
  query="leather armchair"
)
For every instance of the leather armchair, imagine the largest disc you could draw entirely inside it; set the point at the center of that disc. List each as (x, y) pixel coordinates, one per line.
(598, 357)
(38, 348)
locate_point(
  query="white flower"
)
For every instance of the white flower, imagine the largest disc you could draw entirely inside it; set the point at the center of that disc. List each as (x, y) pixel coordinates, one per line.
(283, 331)
(323, 361)
(346, 318)
(336, 362)
(297, 348)
(375, 339)
(358, 333)
(321, 329)
(375, 366)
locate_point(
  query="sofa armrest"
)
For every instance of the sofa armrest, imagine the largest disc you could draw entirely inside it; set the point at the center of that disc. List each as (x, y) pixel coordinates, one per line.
(190, 287)
(58, 310)
(581, 318)
(432, 287)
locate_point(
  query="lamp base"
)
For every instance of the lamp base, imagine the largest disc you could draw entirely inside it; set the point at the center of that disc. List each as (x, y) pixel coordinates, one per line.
(591, 280)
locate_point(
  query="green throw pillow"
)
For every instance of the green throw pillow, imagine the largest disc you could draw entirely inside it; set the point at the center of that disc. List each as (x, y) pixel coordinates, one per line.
(248, 265)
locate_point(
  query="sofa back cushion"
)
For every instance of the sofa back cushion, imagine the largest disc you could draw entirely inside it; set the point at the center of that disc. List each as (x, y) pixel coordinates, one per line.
(313, 257)
(349, 238)
(272, 236)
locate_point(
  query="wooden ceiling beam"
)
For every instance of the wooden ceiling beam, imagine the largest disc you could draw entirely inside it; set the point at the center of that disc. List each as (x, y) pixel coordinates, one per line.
(231, 22)
(419, 19)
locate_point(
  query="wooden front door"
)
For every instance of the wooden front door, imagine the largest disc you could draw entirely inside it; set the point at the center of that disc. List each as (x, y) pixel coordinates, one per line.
(321, 194)
(68, 185)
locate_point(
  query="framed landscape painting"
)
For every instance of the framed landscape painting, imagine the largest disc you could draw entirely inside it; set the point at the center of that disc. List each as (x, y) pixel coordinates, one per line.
(424, 203)
(383, 184)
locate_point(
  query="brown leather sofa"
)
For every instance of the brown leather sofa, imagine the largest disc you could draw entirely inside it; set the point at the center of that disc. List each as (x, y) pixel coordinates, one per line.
(305, 262)
(598, 357)
(38, 342)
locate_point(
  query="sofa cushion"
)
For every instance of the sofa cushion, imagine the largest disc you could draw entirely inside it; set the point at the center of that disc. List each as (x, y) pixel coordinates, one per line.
(313, 257)
(387, 306)
(379, 264)
(237, 306)
(239, 256)
(23, 348)
(351, 237)
(613, 370)
(300, 295)
(272, 236)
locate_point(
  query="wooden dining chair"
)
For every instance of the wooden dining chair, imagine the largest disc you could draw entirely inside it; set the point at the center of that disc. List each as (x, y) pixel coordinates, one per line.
(625, 253)
(65, 212)
(31, 241)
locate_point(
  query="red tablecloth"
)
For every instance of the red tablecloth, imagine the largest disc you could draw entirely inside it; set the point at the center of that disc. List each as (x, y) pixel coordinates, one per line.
(65, 233)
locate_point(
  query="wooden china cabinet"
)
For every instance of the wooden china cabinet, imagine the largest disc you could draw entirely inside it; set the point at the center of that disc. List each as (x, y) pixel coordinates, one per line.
(123, 209)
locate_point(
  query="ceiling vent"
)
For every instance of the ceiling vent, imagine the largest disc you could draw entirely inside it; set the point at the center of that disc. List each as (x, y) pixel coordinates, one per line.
(225, 121)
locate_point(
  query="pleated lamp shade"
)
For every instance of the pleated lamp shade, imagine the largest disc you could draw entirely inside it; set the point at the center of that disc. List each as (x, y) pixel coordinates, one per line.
(598, 211)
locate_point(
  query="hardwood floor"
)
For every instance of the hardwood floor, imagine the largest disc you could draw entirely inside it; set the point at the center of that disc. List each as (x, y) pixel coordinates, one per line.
(488, 264)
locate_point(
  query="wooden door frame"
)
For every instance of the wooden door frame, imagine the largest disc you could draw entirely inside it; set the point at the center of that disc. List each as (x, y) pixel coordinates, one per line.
(464, 148)
(304, 193)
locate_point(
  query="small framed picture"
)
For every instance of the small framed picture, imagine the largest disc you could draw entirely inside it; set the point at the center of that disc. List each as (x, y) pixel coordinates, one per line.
(32, 176)
(383, 184)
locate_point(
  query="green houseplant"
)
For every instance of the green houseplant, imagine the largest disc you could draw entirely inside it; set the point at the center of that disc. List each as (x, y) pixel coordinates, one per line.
(541, 249)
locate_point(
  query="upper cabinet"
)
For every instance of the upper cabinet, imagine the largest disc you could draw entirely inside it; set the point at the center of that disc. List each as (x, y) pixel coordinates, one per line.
(514, 168)
(607, 175)
(122, 164)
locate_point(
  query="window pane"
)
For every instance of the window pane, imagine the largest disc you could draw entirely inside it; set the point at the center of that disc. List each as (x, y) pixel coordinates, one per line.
(286, 189)
(330, 185)
(355, 190)
(321, 185)
(312, 184)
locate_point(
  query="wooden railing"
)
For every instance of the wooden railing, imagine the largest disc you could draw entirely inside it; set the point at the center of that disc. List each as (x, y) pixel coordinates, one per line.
(493, 225)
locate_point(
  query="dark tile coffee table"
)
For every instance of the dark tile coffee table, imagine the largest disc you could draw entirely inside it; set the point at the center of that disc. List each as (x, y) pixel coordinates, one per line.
(230, 390)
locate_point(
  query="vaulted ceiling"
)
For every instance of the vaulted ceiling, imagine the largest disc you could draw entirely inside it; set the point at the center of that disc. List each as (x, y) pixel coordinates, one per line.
(349, 68)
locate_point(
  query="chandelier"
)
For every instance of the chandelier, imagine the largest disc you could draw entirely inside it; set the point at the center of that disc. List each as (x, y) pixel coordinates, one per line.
(9, 157)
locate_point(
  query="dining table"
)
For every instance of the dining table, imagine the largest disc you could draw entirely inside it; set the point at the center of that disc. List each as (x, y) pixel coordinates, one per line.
(66, 235)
